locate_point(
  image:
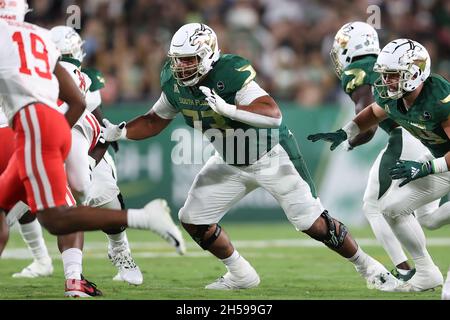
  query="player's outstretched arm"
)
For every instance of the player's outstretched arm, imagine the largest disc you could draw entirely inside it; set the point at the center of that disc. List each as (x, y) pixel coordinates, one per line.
(362, 97)
(142, 127)
(71, 94)
(366, 119)
(146, 126)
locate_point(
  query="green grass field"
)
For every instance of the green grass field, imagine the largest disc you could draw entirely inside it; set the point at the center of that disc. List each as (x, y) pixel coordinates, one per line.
(289, 264)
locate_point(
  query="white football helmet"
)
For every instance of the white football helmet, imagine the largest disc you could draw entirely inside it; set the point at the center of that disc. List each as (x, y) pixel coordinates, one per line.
(68, 41)
(198, 42)
(14, 9)
(406, 58)
(352, 40)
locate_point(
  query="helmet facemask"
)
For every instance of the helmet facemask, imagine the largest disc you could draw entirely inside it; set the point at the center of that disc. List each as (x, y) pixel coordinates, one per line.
(78, 51)
(338, 48)
(389, 85)
(407, 80)
(73, 46)
(185, 69)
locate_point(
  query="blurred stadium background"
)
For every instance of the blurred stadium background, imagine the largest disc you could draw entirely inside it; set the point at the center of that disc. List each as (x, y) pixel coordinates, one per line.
(288, 43)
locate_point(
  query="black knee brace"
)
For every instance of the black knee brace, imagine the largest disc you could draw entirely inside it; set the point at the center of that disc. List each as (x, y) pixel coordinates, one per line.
(201, 231)
(334, 240)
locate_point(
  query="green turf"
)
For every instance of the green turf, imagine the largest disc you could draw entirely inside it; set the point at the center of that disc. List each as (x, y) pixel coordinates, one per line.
(286, 272)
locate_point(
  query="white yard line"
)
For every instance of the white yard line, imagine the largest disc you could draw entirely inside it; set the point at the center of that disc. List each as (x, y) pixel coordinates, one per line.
(98, 249)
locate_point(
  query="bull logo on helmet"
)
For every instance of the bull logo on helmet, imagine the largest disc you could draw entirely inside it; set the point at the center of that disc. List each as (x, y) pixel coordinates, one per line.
(202, 35)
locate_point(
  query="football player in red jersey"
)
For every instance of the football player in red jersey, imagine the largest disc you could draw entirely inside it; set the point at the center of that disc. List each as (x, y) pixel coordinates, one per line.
(30, 76)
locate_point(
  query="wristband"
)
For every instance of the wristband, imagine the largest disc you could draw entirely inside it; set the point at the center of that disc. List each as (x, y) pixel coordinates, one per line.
(351, 129)
(439, 165)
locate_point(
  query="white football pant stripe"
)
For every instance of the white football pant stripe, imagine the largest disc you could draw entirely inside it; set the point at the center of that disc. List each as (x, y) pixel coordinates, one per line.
(70, 201)
(39, 161)
(46, 187)
(28, 166)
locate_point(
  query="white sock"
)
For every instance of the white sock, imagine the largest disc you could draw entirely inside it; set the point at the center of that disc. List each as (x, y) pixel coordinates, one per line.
(411, 236)
(32, 235)
(118, 240)
(359, 259)
(72, 261)
(386, 237)
(236, 264)
(403, 272)
(137, 219)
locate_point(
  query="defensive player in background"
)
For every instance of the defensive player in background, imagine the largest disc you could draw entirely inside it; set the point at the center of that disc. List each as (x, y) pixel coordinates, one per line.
(218, 95)
(354, 53)
(419, 102)
(30, 80)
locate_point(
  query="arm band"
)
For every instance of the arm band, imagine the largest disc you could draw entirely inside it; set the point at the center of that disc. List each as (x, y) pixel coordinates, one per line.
(254, 119)
(439, 165)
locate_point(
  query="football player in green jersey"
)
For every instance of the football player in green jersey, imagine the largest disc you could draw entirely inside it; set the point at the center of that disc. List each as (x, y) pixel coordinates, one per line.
(420, 103)
(218, 95)
(354, 53)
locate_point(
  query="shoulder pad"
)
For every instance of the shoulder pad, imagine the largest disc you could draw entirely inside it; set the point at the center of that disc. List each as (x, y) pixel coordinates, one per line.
(166, 74)
(358, 73)
(233, 73)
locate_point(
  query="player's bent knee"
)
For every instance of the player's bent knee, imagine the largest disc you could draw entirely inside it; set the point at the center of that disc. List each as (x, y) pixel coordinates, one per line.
(428, 222)
(205, 235)
(332, 235)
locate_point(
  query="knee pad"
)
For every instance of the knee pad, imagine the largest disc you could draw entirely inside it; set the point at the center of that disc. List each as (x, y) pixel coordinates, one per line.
(332, 239)
(200, 234)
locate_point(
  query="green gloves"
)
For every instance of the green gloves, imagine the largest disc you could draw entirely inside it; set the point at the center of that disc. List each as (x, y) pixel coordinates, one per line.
(410, 170)
(336, 138)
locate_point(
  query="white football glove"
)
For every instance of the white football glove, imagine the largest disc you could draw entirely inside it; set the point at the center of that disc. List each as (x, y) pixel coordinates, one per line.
(217, 103)
(113, 132)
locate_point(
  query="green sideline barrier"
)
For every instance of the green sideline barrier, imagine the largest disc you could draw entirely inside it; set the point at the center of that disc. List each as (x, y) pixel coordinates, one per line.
(146, 171)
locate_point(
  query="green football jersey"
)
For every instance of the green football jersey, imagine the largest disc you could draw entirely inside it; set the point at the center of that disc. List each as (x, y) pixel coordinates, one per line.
(75, 62)
(97, 78)
(237, 142)
(361, 73)
(423, 119)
